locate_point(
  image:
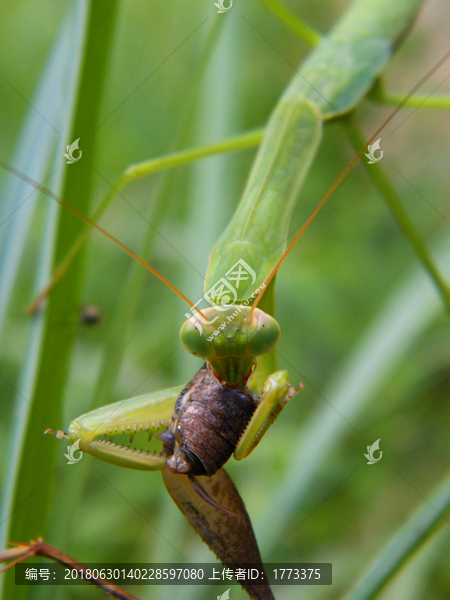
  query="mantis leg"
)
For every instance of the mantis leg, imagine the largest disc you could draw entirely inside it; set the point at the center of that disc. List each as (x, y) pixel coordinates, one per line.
(276, 393)
(150, 412)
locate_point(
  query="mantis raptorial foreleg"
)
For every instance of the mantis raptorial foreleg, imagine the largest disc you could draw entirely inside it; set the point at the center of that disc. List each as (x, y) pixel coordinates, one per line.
(96, 429)
(276, 393)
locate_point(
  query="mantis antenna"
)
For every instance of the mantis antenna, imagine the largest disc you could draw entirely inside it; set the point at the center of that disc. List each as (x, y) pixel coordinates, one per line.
(343, 175)
(80, 215)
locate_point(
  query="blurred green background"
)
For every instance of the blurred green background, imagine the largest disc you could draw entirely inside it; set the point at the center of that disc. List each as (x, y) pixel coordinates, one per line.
(362, 325)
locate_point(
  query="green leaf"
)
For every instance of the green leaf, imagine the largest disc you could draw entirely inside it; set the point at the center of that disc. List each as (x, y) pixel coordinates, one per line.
(44, 377)
(18, 198)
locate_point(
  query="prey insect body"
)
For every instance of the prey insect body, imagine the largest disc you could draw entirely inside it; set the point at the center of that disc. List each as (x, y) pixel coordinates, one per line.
(209, 420)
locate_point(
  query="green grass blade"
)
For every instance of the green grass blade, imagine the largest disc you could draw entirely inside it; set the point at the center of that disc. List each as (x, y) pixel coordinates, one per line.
(23, 413)
(16, 218)
(46, 376)
(414, 580)
(41, 164)
(388, 192)
(416, 531)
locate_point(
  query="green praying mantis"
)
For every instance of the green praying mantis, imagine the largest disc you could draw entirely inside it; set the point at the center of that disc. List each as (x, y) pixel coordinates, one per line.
(231, 402)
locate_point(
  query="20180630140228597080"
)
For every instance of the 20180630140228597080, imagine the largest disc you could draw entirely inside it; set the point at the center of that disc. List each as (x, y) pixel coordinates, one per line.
(157, 176)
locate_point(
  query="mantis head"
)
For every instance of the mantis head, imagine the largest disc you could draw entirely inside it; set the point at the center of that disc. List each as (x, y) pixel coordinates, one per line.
(230, 339)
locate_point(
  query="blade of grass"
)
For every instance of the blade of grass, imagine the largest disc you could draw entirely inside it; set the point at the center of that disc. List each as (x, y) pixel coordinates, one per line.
(414, 580)
(388, 192)
(412, 536)
(51, 81)
(47, 376)
(19, 199)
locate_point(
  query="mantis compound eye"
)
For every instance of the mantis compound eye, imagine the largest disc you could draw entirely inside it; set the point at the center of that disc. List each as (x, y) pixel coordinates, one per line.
(193, 336)
(233, 332)
(267, 333)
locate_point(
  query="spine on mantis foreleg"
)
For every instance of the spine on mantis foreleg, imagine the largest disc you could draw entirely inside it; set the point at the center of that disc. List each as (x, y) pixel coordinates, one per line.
(334, 78)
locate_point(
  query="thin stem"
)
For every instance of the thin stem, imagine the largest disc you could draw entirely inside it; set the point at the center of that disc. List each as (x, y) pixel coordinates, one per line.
(296, 25)
(404, 222)
(380, 95)
(138, 171)
(40, 548)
